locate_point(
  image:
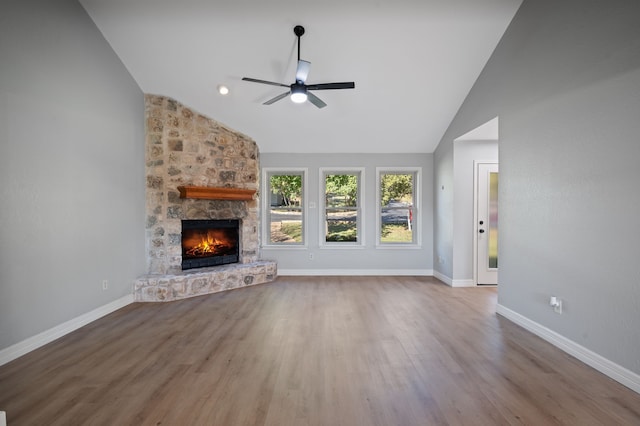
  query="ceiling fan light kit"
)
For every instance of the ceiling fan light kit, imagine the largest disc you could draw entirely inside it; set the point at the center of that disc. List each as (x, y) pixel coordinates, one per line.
(299, 91)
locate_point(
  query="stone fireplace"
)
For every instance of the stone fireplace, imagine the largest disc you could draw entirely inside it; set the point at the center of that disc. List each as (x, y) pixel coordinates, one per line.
(196, 170)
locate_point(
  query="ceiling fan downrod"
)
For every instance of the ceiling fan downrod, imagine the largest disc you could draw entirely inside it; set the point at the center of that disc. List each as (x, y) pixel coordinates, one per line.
(298, 30)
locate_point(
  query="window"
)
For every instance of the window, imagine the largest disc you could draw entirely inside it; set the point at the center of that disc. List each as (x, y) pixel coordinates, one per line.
(284, 223)
(342, 218)
(398, 214)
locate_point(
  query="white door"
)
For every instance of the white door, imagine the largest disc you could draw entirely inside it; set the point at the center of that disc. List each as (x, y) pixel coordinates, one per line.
(487, 223)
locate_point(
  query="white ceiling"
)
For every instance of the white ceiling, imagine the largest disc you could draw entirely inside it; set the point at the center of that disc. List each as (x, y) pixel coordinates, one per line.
(413, 63)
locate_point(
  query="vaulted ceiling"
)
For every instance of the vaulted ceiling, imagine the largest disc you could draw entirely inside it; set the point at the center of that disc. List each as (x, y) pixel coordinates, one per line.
(413, 63)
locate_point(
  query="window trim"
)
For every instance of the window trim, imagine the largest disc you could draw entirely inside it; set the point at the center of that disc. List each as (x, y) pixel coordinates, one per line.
(267, 172)
(417, 207)
(360, 222)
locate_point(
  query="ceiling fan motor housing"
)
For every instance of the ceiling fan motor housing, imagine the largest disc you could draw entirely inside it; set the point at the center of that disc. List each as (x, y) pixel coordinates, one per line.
(298, 88)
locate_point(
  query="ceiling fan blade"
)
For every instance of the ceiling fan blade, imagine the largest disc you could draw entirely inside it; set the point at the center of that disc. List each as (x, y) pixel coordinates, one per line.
(331, 86)
(255, 80)
(315, 100)
(277, 98)
(303, 70)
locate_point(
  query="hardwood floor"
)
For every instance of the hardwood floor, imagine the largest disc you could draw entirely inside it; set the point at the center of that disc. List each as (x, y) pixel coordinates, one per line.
(312, 351)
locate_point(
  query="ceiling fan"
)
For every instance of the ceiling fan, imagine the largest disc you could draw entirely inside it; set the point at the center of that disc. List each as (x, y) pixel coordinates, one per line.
(300, 91)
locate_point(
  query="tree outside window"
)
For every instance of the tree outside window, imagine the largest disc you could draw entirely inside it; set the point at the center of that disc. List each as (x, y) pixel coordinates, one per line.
(285, 218)
(342, 207)
(397, 208)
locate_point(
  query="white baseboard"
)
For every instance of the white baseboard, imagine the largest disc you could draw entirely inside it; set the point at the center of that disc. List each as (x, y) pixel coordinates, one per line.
(592, 359)
(350, 272)
(454, 283)
(442, 277)
(463, 283)
(47, 336)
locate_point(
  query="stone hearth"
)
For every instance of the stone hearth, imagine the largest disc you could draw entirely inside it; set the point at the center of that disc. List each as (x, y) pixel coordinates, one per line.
(184, 148)
(196, 282)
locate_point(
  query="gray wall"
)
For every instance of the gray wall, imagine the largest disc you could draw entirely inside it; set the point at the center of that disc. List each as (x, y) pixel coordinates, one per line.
(443, 211)
(565, 82)
(71, 167)
(357, 259)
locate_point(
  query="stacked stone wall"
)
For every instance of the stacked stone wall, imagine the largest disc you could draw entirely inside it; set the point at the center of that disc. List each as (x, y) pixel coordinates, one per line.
(188, 148)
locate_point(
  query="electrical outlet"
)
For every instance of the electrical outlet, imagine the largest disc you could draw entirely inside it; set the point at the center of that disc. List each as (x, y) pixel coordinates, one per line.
(105, 284)
(310, 256)
(556, 303)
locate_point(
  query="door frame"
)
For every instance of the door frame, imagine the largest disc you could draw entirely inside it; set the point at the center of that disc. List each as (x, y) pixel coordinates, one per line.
(476, 166)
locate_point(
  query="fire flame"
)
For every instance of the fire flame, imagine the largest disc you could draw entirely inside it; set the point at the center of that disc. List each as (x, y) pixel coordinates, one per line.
(208, 245)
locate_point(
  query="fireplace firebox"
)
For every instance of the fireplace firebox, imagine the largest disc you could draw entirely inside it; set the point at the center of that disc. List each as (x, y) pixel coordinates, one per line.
(210, 243)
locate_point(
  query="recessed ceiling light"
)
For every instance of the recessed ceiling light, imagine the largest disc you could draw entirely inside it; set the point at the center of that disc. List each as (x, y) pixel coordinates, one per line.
(223, 90)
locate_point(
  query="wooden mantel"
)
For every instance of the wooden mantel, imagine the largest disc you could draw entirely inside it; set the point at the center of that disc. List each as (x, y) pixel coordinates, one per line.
(211, 193)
